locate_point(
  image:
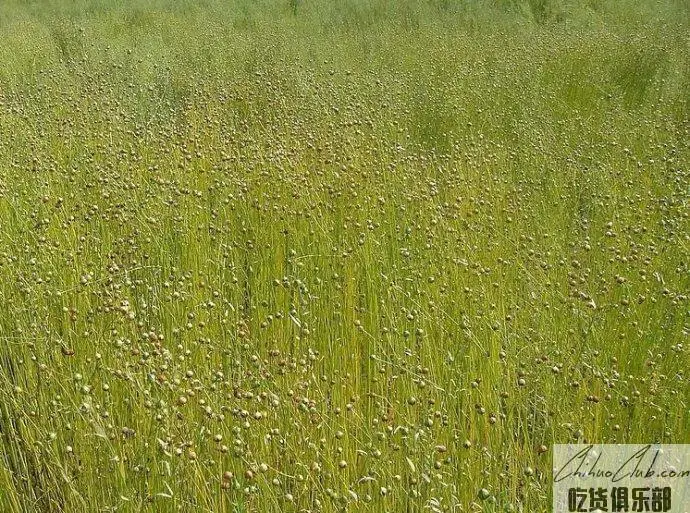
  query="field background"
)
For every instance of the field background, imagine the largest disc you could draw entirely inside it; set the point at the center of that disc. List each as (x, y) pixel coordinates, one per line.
(337, 255)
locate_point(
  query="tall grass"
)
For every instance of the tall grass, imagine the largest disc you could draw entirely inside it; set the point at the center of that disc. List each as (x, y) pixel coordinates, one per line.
(320, 256)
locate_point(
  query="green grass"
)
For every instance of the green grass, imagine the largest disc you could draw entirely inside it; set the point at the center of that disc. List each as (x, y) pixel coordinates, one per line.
(365, 256)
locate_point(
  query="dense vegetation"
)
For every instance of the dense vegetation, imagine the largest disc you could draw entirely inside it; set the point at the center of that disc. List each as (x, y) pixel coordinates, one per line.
(337, 255)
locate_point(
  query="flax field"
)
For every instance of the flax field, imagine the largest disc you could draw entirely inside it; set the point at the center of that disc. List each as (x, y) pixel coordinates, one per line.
(328, 256)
